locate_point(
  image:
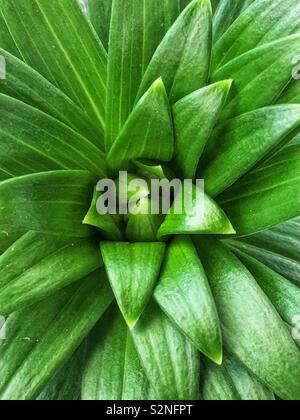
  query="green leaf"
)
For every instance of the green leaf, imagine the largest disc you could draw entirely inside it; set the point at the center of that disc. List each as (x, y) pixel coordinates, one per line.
(259, 75)
(184, 3)
(24, 83)
(267, 196)
(112, 369)
(31, 141)
(184, 294)
(291, 95)
(217, 385)
(6, 40)
(265, 21)
(47, 202)
(105, 222)
(198, 214)
(8, 237)
(143, 227)
(137, 27)
(240, 143)
(182, 60)
(278, 248)
(148, 132)
(133, 271)
(99, 12)
(27, 268)
(225, 15)
(170, 361)
(252, 329)
(195, 117)
(232, 381)
(41, 338)
(66, 384)
(61, 46)
(284, 295)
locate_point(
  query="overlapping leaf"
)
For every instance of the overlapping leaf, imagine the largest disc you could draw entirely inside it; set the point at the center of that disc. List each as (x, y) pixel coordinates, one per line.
(183, 57)
(36, 266)
(252, 329)
(170, 361)
(54, 202)
(66, 384)
(267, 196)
(132, 274)
(148, 132)
(56, 40)
(24, 83)
(184, 294)
(239, 144)
(6, 40)
(194, 212)
(113, 370)
(278, 248)
(42, 337)
(227, 11)
(284, 295)
(232, 381)
(265, 21)
(137, 27)
(99, 12)
(259, 75)
(31, 141)
(194, 119)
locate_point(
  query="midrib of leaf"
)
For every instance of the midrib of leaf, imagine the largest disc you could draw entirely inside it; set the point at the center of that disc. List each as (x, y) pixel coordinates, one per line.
(132, 43)
(95, 108)
(37, 49)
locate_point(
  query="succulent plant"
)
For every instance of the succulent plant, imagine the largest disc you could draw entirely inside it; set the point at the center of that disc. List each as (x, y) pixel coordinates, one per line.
(198, 305)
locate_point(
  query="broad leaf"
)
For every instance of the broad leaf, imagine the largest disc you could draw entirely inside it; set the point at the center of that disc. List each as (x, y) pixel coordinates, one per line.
(194, 212)
(216, 384)
(40, 339)
(47, 202)
(195, 117)
(232, 381)
(184, 3)
(31, 141)
(62, 47)
(133, 271)
(148, 132)
(8, 237)
(6, 40)
(27, 85)
(259, 75)
(240, 143)
(99, 12)
(143, 227)
(183, 57)
(107, 223)
(36, 266)
(137, 27)
(278, 248)
(284, 295)
(226, 13)
(184, 294)
(265, 21)
(252, 329)
(291, 95)
(66, 384)
(267, 196)
(170, 361)
(112, 368)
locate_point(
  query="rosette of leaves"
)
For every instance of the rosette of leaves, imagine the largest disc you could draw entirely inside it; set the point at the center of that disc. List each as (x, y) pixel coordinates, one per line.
(201, 305)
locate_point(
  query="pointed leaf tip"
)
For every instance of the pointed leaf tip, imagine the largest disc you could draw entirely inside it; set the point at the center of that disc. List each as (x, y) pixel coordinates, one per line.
(133, 270)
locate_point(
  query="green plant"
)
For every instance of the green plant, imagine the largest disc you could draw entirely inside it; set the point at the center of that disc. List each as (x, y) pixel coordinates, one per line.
(177, 88)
